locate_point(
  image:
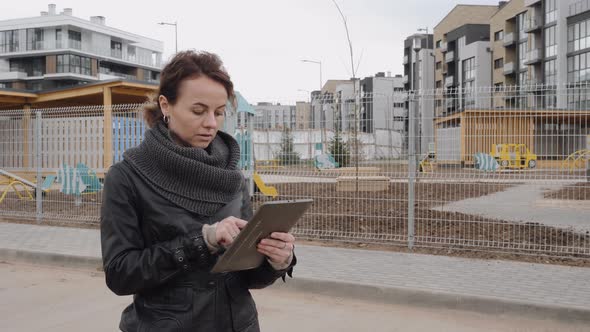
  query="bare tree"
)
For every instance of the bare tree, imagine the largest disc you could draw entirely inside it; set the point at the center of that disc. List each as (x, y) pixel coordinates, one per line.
(356, 98)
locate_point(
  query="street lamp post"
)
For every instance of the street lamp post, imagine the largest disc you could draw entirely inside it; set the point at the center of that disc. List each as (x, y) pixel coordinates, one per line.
(175, 24)
(319, 63)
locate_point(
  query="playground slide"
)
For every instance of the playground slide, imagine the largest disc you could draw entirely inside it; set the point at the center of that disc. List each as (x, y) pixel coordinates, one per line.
(264, 189)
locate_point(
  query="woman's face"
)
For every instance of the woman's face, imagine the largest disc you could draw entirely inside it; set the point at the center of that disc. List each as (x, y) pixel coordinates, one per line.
(199, 111)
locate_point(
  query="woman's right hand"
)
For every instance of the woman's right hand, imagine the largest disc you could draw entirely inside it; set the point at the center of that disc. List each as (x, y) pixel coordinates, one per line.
(228, 229)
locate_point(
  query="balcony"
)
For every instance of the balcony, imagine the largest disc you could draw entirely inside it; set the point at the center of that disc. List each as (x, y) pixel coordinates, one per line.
(510, 39)
(532, 84)
(450, 57)
(533, 56)
(444, 47)
(509, 68)
(406, 60)
(13, 75)
(530, 3)
(449, 81)
(533, 24)
(579, 7)
(116, 53)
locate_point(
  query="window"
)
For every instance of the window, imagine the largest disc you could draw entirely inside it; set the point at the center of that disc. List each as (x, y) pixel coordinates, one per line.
(578, 68)
(499, 35)
(469, 94)
(521, 18)
(522, 55)
(438, 84)
(550, 72)
(34, 86)
(468, 82)
(523, 78)
(550, 11)
(550, 42)
(9, 41)
(131, 53)
(58, 37)
(30, 66)
(438, 65)
(34, 39)
(116, 49)
(499, 63)
(468, 69)
(498, 87)
(75, 39)
(69, 63)
(550, 80)
(438, 43)
(578, 36)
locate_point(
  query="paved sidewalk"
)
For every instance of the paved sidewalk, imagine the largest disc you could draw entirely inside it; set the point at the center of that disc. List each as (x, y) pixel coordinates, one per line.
(526, 203)
(506, 286)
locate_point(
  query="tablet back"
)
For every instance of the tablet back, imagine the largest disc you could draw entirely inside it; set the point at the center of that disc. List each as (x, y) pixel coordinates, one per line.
(276, 216)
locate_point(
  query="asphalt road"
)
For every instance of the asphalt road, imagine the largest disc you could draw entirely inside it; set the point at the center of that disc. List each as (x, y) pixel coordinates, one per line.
(35, 298)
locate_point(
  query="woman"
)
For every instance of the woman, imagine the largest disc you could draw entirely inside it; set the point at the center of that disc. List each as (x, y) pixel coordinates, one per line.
(175, 202)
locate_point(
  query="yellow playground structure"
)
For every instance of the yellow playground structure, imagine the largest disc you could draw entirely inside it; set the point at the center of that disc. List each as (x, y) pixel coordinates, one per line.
(577, 160)
(514, 156)
(265, 189)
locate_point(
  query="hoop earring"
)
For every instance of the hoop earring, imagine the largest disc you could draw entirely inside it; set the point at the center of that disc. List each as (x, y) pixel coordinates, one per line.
(166, 119)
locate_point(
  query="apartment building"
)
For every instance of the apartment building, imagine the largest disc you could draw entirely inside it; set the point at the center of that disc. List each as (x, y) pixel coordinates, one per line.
(323, 110)
(274, 116)
(303, 115)
(533, 41)
(383, 103)
(419, 62)
(463, 59)
(58, 50)
(577, 51)
(419, 66)
(538, 60)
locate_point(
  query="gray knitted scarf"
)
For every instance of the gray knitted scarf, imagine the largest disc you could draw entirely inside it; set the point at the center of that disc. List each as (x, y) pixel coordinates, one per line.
(198, 180)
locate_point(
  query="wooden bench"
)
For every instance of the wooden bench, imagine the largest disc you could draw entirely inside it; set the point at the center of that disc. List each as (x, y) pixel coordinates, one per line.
(268, 164)
(365, 183)
(352, 171)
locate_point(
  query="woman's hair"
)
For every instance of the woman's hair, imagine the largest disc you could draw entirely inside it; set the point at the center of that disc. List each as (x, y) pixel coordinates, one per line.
(186, 65)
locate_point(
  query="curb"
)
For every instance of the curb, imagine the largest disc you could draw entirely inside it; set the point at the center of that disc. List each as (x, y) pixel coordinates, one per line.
(357, 291)
(436, 299)
(51, 259)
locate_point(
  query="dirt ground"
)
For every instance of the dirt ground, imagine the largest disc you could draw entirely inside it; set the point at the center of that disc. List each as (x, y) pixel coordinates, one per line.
(383, 216)
(577, 192)
(378, 220)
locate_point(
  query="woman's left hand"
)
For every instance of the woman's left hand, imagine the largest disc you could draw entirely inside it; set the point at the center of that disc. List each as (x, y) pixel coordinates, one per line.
(278, 247)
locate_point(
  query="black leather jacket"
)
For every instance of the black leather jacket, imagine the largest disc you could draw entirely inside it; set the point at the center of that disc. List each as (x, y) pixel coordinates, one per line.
(154, 250)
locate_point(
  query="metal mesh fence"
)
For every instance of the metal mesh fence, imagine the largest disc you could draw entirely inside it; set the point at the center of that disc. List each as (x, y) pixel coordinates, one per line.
(497, 169)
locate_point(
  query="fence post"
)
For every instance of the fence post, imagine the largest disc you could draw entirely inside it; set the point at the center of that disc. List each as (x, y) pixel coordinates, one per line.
(38, 160)
(412, 112)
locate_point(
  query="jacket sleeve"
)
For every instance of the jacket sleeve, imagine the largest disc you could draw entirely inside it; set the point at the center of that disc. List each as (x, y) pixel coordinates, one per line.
(265, 275)
(129, 265)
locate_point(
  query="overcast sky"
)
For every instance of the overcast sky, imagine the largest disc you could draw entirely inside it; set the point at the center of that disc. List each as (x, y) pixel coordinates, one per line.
(262, 42)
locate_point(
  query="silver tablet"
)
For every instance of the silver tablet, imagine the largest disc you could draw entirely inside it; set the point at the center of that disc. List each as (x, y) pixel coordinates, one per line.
(277, 216)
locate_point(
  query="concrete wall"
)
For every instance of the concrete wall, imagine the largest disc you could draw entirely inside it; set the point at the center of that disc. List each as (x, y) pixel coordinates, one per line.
(381, 144)
(448, 144)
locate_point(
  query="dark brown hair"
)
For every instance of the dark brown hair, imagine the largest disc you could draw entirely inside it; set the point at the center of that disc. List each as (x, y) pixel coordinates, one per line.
(186, 65)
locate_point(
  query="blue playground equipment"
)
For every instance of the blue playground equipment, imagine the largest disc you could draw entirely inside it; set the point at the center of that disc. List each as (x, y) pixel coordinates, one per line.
(485, 162)
(242, 135)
